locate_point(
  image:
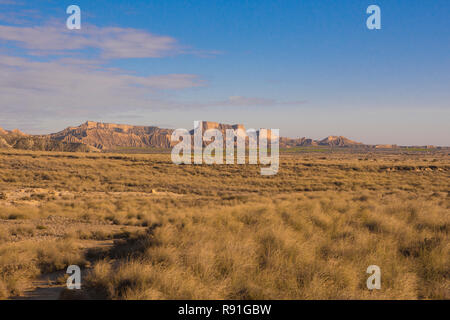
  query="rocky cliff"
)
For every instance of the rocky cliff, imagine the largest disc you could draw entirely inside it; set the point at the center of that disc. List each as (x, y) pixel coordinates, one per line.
(340, 141)
(97, 136)
(16, 139)
(106, 136)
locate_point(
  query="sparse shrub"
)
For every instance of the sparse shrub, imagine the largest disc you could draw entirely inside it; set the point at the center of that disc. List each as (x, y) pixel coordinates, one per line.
(22, 231)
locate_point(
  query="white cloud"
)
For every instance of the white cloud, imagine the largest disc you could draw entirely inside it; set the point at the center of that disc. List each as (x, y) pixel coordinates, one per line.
(71, 86)
(77, 82)
(110, 41)
(74, 82)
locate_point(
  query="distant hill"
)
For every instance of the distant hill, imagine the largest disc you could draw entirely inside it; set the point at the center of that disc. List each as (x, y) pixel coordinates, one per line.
(3, 143)
(331, 141)
(16, 139)
(97, 136)
(109, 136)
(106, 136)
(340, 141)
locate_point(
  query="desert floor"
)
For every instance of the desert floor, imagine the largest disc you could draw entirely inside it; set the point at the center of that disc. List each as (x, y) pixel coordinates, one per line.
(141, 227)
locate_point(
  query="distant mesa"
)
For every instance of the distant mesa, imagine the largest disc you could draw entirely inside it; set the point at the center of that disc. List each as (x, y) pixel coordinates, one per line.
(207, 125)
(12, 132)
(106, 136)
(300, 142)
(17, 132)
(16, 139)
(97, 136)
(8, 138)
(340, 141)
(331, 141)
(3, 143)
(385, 146)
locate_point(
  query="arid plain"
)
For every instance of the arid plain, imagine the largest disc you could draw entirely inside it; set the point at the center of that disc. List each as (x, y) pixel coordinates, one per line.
(141, 227)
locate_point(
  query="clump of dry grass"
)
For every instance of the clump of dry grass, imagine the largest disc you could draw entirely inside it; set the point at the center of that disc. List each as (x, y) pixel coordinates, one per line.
(21, 262)
(290, 248)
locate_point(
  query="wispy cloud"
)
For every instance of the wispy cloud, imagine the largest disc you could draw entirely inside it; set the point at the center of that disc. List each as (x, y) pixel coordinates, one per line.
(241, 101)
(60, 87)
(76, 79)
(111, 42)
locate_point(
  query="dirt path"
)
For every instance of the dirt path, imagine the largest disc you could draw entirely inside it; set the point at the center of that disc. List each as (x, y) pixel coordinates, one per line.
(46, 287)
(49, 286)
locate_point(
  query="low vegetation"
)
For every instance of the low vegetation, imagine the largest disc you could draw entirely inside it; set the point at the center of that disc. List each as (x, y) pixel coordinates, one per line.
(226, 232)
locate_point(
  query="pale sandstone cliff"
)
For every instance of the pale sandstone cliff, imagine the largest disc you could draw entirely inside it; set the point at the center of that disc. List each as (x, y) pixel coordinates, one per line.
(105, 136)
(96, 136)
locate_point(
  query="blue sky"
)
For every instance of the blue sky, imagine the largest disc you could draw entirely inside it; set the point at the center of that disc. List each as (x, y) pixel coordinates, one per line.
(309, 68)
